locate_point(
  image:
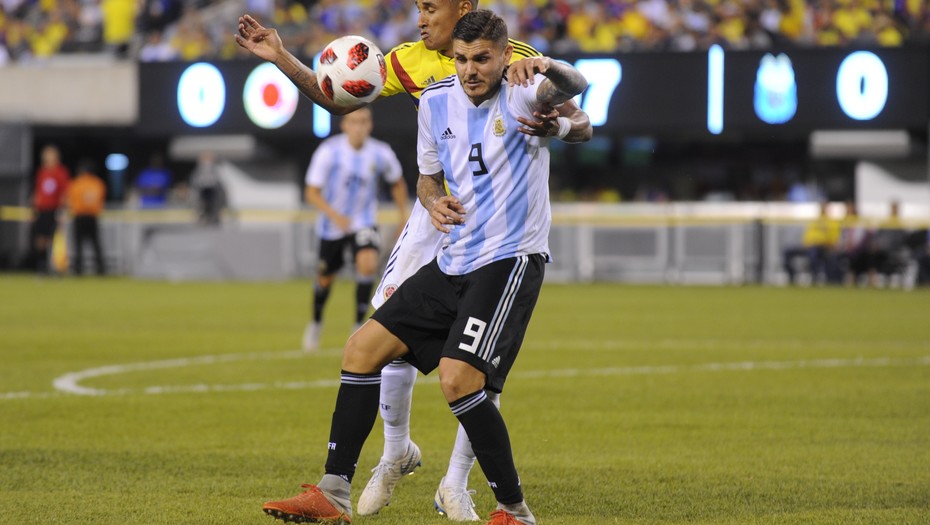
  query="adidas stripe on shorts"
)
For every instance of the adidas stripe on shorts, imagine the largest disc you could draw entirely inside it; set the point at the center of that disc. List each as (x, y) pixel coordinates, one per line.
(479, 317)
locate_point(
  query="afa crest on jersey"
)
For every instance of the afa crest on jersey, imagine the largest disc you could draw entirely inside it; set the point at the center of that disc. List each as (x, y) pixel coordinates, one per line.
(499, 128)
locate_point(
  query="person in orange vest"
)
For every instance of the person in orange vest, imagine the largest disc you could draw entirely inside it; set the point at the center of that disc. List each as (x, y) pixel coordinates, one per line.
(86, 198)
(52, 179)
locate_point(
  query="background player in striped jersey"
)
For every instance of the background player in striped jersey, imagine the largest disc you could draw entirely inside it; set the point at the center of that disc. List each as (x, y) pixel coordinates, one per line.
(411, 68)
(342, 183)
(465, 312)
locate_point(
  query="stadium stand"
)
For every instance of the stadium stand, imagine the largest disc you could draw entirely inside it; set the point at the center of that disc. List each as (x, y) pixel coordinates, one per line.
(199, 29)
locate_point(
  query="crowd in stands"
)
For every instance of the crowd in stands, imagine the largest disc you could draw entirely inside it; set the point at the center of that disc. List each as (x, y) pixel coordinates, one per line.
(152, 30)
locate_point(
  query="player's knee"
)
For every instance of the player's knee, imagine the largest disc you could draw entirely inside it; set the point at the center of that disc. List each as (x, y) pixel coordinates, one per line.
(370, 348)
(366, 264)
(458, 379)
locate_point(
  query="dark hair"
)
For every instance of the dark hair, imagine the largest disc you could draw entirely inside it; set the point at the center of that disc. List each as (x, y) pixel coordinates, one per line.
(481, 24)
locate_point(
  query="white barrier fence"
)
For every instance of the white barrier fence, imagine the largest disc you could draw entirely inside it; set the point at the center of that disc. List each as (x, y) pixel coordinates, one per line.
(687, 243)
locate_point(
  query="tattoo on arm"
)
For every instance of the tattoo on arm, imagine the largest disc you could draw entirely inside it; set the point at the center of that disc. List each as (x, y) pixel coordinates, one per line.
(304, 79)
(306, 83)
(429, 188)
(562, 83)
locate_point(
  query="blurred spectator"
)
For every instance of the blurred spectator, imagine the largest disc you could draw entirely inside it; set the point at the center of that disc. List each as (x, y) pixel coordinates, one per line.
(156, 15)
(889, 246)
(156, 49)
(87, 35)
(5, 57)
(86, 197)
(590, 30)
(886, 31)
(851, 18)
(922, 254)
(154, 183)
(47, 36)
(851, 241)
(818, 247)
(206, 182)
(882, 250)
(119, 25)
(191, 39)
(52, 179)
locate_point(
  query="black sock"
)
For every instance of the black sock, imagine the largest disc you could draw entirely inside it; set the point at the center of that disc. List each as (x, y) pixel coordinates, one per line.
(42, 264)
(491, 442)
(362, 296)
(353, 418)
(320, 295)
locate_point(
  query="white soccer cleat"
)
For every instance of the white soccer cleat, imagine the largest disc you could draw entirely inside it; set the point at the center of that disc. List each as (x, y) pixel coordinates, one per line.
(455, 503)
(377, 493)
(311, 339)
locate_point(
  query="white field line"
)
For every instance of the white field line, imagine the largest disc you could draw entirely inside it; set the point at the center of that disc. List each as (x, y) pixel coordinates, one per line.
(70, 383)
(700, 344)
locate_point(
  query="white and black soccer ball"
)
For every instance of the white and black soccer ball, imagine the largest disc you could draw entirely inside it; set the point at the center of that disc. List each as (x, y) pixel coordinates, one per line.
(351, 71)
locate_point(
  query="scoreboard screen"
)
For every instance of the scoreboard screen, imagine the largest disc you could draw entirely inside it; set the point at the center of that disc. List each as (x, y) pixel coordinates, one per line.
(789, 92)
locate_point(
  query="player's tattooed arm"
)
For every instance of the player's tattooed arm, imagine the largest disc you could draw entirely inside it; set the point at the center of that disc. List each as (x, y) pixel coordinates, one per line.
(304, 79)
(444, 210)
(562, 83)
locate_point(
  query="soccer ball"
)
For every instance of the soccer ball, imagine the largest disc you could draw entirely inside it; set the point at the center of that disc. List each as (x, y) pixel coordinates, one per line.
(351, 71)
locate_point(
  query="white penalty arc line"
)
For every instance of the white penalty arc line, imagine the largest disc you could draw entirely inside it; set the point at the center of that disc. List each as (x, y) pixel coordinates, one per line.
(70, 383)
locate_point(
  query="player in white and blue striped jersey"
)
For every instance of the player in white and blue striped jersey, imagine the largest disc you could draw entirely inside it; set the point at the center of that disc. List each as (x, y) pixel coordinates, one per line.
(488, 275)
(501, 177)
(342, 184)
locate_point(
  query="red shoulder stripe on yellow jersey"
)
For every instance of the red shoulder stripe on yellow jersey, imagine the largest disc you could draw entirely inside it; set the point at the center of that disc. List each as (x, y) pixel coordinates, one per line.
(412, 67)
(409, 85)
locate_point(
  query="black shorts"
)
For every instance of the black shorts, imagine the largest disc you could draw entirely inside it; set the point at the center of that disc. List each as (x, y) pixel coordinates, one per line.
(332, 252)
(480, 317)
(45, 224)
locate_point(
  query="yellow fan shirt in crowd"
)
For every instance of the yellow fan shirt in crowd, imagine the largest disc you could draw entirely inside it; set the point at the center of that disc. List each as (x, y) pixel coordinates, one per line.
(822, 231)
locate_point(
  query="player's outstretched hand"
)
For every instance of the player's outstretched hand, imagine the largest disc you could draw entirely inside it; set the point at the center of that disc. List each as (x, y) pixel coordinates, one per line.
(522, 71)
(446, 211)
(263, 42)
(545, 125)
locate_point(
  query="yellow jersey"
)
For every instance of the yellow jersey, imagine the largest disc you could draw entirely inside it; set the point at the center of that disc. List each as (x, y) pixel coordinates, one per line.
(411, 67)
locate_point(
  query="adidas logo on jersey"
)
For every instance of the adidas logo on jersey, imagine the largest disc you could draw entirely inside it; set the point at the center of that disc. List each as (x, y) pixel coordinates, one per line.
(496, 361)
(447, 134)
(431, 80)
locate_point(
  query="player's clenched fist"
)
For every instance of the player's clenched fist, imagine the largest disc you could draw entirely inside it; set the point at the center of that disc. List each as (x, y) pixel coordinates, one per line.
(522, 71)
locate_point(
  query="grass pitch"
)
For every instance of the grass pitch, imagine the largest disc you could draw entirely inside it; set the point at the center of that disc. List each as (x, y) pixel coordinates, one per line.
(629, 404)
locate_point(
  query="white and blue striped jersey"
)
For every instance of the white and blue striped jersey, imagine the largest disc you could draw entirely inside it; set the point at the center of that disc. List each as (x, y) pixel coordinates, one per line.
(501, 176)
(349, 180)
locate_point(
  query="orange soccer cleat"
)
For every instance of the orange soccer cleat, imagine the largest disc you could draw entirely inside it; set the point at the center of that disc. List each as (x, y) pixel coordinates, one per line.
(502, 517)
(310, 506)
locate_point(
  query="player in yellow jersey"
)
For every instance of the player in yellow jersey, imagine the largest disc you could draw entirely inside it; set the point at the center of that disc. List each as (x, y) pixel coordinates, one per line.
(412, 67)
